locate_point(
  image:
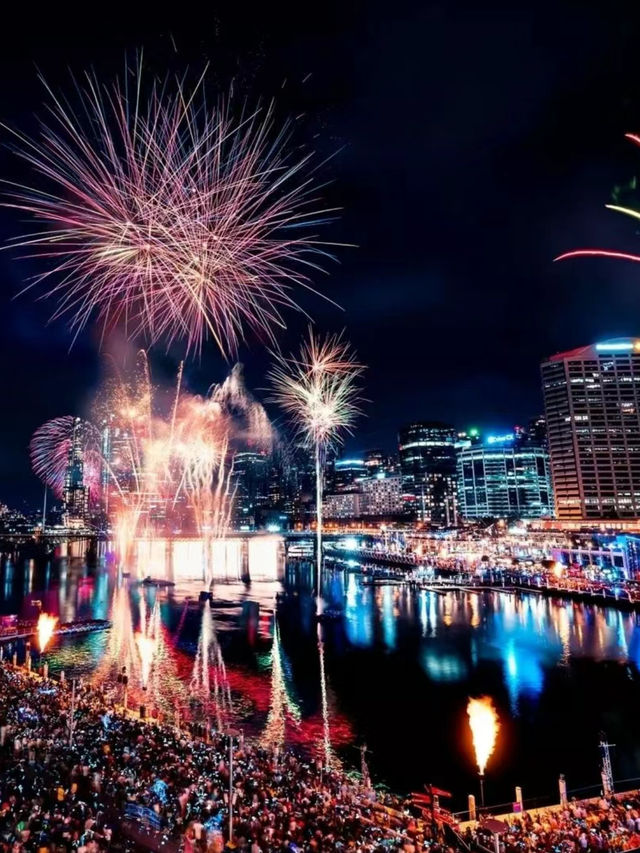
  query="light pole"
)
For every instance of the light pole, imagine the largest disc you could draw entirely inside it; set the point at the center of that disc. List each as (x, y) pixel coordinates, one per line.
(72, 715)
(231, 734)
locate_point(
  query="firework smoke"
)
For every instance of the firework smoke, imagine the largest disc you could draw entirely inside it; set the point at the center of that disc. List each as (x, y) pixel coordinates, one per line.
(160, 471)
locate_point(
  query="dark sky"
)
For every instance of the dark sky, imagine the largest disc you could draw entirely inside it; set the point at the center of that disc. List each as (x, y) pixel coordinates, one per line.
(475, 141)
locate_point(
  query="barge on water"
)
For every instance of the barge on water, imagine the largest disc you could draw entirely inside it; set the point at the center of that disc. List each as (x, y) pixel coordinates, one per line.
(13, 631)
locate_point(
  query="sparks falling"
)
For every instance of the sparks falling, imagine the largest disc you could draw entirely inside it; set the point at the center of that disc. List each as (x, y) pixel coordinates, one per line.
(146, 648)
(170, 216)
(46, 627)
(152, 470)
(483, 720)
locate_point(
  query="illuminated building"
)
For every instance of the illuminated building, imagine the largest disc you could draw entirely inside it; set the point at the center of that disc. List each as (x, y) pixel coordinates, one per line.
(428, 465)
(250, 479)
(506, 477)
(342, 505)
(117, 465)
(537, 430)
(381, 496)
(344, 475)
(592, 406)
(75, 494)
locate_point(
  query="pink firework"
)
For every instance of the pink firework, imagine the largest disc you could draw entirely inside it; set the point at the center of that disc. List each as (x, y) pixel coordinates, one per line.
(51, 448)
(168, 216)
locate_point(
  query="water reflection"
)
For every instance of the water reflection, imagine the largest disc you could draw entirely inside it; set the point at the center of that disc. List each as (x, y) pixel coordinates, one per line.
(234, 659)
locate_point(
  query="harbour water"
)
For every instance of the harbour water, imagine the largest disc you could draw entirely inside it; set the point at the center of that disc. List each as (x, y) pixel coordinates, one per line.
(399, 666)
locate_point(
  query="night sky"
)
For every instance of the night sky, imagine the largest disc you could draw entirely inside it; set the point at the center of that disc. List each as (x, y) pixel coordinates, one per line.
(473, 142)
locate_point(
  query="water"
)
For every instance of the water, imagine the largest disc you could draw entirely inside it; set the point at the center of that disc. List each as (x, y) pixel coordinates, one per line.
(400, 665)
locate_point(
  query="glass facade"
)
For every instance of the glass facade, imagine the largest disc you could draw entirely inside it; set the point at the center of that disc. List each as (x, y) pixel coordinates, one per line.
(428, 466)
(592, 402)
(504, 480)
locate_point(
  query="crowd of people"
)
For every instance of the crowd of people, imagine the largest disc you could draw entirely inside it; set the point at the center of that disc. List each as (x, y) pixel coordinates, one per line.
(93, 782)
(579, 827)
(75, 774)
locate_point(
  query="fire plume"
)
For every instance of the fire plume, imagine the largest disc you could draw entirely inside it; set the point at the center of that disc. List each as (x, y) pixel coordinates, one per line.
(46, 627)
(483, 720)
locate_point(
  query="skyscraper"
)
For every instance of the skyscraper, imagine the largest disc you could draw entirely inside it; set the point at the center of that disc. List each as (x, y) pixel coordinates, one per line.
(506, 476)
(250, 479)
(428, 466)
(75, 494)
(592, 404)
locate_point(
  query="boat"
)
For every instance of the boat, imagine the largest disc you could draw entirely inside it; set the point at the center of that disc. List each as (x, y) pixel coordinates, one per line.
(329, 614)
(24, 630)
(159, 582)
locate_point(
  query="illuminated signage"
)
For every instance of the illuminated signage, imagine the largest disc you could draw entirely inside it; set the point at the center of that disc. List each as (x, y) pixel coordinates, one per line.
(616, 346)
(498, 439)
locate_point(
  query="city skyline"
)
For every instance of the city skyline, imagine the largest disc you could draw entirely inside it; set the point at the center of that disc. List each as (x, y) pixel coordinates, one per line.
(320, 457)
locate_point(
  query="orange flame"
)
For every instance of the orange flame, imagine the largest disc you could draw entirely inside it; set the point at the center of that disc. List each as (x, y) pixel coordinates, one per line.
(46, 627)
(483, 720)
(147, 649)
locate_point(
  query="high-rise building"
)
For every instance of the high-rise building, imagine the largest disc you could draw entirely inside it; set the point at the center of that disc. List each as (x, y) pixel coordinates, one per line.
(381, 496)
(375, 461)
(344, 475)
(342, 505)
(428, 465)
(508, 476)
(75, 494)
(250, 480)
(537, 431)
(592, 408)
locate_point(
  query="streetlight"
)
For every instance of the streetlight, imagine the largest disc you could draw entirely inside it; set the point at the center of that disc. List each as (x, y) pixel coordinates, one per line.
(231, 734)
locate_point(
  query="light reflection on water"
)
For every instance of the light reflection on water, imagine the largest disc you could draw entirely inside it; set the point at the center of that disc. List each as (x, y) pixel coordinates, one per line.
(400, 663)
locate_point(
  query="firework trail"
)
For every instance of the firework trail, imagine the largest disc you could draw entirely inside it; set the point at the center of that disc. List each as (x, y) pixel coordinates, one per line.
(208, 656)
(167, 215)
(121, 648)
(609, 253)
(282, 701)
(158, 471)
(330, 758)
(318, 390)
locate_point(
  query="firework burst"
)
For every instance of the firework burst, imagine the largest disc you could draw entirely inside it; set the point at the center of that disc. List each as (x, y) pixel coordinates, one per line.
(168, 216)
(153, 469)
(318, 389)
(50, 450)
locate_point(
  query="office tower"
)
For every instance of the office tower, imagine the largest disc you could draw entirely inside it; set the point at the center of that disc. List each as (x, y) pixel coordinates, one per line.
(346, 475)
(250, 482)
(75, 494)
(507, 476)
(381, 496)
(428, 466)
(592, 410)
